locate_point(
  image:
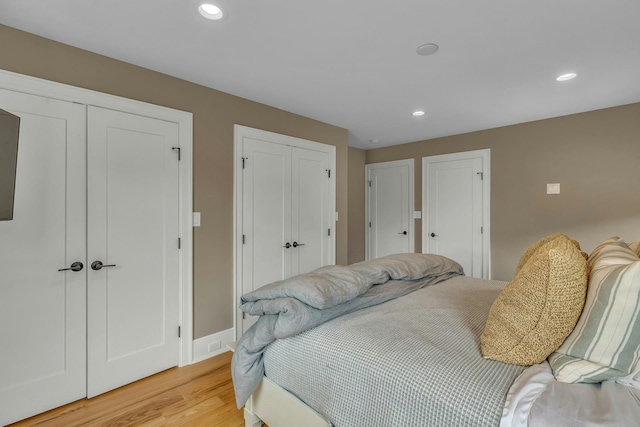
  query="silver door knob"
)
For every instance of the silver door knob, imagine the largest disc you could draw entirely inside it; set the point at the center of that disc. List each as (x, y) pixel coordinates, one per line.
(98, 265)
(296, 244)
(76, 266)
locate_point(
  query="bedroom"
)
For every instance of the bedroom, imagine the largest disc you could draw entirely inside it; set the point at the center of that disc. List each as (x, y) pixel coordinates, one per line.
(598, 199)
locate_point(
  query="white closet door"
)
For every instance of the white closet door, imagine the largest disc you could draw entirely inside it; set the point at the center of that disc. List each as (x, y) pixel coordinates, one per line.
(390, 208)
(311, 215)
(133, 219)
(42, 310)
(266, 216)
(454, 215)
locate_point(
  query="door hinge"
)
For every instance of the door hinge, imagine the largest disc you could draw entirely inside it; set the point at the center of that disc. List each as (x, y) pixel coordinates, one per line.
(369, 183)
(369, 225)
(179, 331)
(243, 239)
(481, 175)
(179, 243)
(328, 172)
(481, 230)
(244, 315)
(243, 159)
(178, 150)
(329, 232)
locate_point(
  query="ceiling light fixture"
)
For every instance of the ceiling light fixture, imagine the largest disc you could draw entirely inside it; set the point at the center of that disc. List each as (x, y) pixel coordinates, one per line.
(418, 113)
(565, 77)
(211, 11)
(427, 49)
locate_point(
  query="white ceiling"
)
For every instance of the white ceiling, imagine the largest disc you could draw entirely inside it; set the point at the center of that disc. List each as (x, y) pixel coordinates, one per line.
(353, 63)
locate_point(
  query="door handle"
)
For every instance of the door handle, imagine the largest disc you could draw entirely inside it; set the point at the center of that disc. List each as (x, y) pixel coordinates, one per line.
(296, 244)
(404, 232)
(76, 266)
(98, 265)
(433, 235)
(288, 245)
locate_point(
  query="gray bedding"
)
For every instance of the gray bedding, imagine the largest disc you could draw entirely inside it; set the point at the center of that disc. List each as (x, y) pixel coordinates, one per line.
(412, 361)
(287, 308)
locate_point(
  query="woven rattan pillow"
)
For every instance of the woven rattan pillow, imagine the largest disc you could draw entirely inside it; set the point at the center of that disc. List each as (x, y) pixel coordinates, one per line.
(539, 308)
(534, 247)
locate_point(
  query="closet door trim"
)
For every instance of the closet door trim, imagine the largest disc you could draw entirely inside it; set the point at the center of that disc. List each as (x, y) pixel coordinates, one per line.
(45, 88)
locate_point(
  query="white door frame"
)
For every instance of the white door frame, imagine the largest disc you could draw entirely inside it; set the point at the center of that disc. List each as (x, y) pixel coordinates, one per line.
(240, 132)
(394, 163)
(485, 155)
(49, 89)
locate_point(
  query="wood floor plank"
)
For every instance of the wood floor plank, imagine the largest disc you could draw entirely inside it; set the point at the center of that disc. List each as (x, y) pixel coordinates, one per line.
(194, 395)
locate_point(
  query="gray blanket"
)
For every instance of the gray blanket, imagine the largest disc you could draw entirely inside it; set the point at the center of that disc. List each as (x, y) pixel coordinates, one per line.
(292, 306)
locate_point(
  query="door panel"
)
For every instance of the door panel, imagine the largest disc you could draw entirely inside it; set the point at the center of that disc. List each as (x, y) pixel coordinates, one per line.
(266, 216)
(454, 212)
(42, 310)
(310, 217)
(390, 208)
(285, 200)
(133, 224)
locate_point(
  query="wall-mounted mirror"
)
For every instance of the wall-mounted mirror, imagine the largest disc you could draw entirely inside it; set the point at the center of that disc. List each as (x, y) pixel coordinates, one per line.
(9, 129)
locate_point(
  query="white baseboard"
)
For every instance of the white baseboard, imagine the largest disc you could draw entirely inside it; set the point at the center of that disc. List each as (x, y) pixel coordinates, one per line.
(212, 345)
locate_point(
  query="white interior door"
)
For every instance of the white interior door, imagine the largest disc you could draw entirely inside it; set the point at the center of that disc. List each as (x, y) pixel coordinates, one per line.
(285, 200)
(389, 208)
(133, 230)
(311, 215)
(266, 215)
(454, 224)
(42, 310)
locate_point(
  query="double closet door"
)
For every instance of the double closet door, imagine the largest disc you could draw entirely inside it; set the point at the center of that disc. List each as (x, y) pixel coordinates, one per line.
(286, 212)
(89, 264)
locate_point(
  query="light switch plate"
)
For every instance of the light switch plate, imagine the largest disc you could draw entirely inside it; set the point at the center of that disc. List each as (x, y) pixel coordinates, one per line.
(417, 214)
(553, 188)
(196, 219)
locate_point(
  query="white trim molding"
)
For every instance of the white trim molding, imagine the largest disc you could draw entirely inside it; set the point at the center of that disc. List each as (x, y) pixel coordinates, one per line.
(212, 345)
(184, 120)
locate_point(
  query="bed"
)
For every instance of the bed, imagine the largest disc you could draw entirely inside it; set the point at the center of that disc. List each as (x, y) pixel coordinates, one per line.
(405, 340)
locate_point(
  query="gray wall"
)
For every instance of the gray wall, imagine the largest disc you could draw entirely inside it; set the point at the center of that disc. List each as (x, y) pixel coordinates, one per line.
(594, 156)
(9, 127)
(214, 114)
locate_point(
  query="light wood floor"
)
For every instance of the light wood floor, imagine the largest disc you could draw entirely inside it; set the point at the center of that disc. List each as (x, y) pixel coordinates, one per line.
(194, 395)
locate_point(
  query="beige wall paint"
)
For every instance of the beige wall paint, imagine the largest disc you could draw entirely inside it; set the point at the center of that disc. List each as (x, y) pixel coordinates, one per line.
(356, 248)
(214, 114)
(593, 155)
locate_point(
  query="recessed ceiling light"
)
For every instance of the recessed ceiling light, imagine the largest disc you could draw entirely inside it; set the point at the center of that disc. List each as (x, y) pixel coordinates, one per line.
(418, 113)
(565, 77)
(427, 49)
(211, 11)
(374, 141)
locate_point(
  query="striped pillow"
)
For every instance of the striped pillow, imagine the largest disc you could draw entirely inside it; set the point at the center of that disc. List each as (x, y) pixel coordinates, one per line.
(605, 343)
